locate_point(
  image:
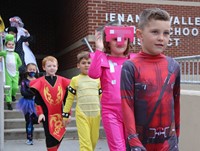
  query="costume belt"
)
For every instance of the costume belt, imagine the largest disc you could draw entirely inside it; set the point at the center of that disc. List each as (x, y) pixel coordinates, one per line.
(160, 134)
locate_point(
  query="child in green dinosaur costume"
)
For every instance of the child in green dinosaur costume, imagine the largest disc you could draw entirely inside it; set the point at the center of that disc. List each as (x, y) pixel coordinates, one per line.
(12, 64)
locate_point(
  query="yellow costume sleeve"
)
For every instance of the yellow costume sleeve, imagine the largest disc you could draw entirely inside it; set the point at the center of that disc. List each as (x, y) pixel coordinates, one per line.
(71, 95)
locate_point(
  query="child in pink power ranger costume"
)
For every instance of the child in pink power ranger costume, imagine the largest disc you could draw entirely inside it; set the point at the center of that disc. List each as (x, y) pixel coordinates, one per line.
(111, 52)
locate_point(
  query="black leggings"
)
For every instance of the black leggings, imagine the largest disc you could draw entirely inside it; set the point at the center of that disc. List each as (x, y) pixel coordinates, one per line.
(30, 120)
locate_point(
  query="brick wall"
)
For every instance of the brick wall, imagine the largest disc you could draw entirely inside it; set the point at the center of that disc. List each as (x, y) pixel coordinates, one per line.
(189, 45)
(96, 14)
(79, 21)
(72, 22)
(73, 26)
(91, 15)
(96, 10)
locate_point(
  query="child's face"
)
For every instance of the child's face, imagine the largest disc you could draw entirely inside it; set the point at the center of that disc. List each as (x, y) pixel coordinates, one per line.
(10, 45)
(118, 50)
(84, 65)
(154, 37)
(31, 68)
(51, 68)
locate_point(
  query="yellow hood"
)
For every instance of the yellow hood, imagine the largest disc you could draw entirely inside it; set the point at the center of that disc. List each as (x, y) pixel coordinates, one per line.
(2, 26)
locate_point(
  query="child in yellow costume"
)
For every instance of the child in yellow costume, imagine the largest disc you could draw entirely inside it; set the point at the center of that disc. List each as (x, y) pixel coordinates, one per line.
(87, 92)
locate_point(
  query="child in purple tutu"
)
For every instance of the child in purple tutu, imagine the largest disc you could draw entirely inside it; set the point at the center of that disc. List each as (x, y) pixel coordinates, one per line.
(27, 104)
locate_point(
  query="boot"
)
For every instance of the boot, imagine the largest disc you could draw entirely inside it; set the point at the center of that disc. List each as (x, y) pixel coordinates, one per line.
(9, 106)
(13, 98)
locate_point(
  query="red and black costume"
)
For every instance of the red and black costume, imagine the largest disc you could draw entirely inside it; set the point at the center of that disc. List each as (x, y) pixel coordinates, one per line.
(50, 94)
(142, 79)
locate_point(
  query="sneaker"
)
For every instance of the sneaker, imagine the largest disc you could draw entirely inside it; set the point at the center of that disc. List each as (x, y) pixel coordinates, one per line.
(29, 142)
(13, 98)
(9, 106)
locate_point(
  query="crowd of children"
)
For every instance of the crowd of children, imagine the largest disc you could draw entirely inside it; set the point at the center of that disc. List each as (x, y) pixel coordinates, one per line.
(125, 90)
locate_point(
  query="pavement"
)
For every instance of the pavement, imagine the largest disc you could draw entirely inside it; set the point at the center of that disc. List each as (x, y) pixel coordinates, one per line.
(39, 145)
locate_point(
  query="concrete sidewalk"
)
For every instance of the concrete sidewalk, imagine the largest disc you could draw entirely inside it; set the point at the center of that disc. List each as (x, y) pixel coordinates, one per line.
(39, 145)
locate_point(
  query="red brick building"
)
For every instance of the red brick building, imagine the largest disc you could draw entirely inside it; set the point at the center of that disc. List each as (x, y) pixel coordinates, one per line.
(59, 27)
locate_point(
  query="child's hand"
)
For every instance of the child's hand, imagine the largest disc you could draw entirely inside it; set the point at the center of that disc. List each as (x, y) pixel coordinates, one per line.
(26, 43)
(99, 40)
(26, 31)
(2, 34)
(66, 121)
(40, 118)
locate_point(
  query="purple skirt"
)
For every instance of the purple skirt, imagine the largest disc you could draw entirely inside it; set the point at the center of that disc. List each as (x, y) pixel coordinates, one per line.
(26, 105)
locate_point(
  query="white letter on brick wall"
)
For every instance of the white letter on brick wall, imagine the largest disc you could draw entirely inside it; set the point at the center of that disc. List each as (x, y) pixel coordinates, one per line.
(170, 43)
(121, 17)
(176, 20)
(137, 18)
(106, 16)
(190, 21)
(197, 21)
(112, 17)
(183, 21)
(186, 31)
(130, 18)
(195, 31)
(176, 41)
(177, 31)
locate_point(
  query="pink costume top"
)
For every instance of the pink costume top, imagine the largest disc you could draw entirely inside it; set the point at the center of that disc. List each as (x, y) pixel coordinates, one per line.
(108, 69)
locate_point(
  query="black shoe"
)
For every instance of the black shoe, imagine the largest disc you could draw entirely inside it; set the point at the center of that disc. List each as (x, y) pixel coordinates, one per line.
(9, 106)
(13, 98)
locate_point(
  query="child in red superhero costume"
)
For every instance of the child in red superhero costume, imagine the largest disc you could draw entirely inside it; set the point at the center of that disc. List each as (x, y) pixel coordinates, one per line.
(50, 92)
(142, 79)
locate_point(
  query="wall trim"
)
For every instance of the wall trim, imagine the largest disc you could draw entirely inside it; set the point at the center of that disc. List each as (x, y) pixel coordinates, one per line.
(70, 48)
(159, 2)
(75, 45)
(190, 92)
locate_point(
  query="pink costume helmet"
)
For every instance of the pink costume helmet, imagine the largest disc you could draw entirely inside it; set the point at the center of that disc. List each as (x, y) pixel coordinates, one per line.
(120, 33)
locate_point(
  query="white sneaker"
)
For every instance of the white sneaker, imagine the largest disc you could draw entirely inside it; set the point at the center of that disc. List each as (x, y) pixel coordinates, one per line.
(29, 142)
